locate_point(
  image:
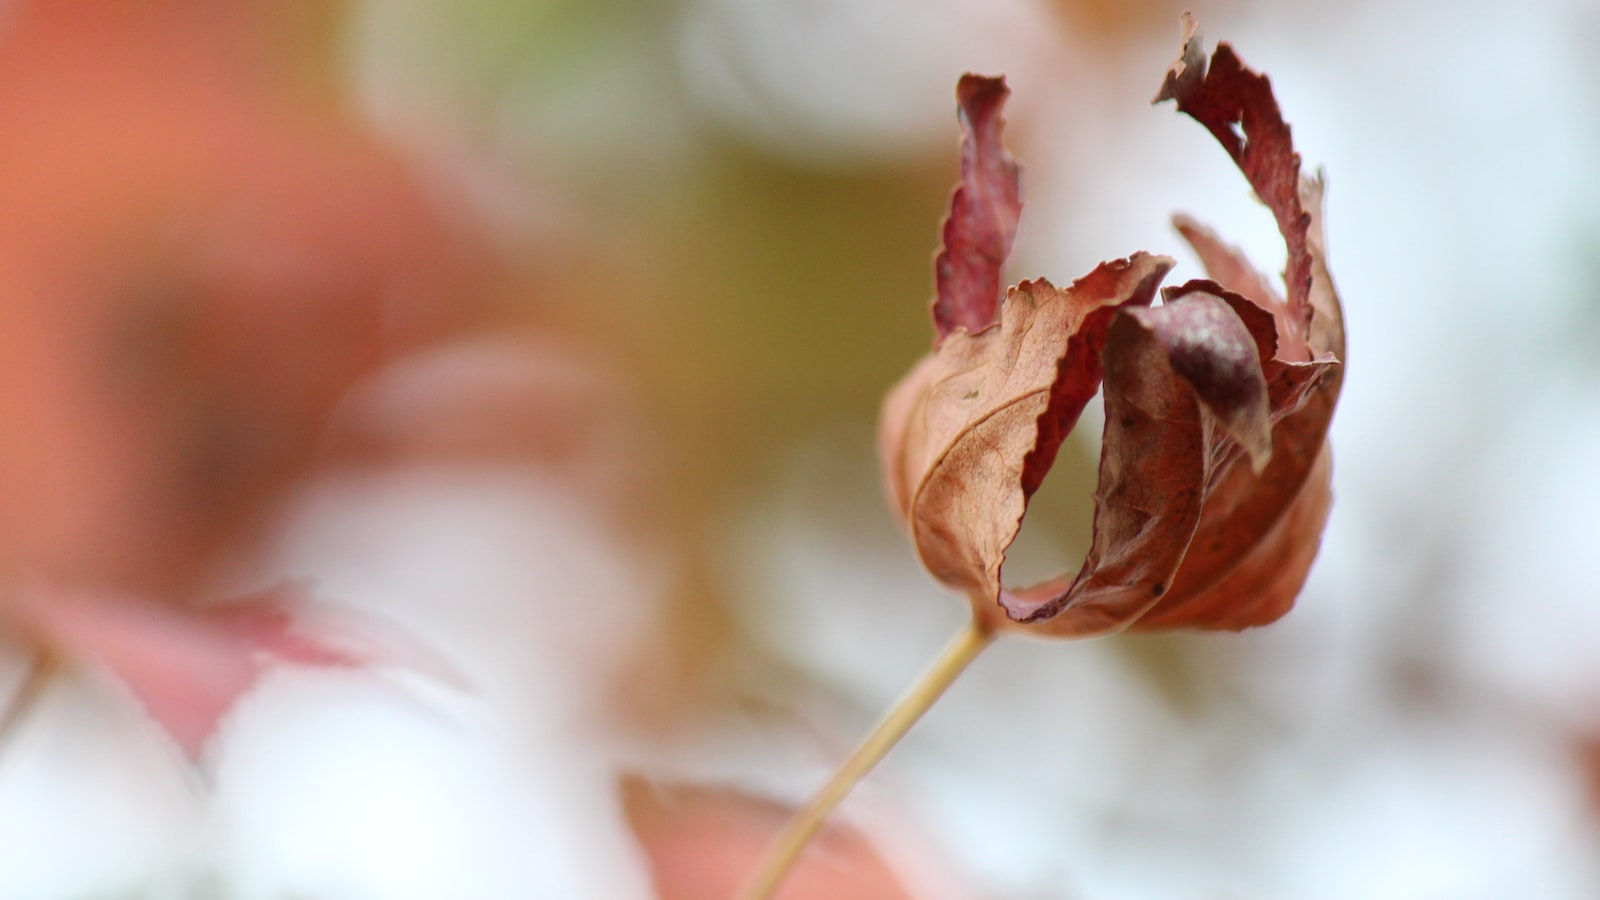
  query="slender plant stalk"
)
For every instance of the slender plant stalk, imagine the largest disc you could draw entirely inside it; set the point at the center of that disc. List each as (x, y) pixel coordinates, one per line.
(40, 668)
(787, 846)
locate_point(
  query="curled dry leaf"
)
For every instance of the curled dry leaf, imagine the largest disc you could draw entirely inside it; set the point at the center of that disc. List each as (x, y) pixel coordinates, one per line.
(969, 435)
(1214, 470)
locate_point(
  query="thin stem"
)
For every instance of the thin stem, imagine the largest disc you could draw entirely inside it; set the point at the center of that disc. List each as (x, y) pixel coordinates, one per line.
(40, 668)
(786, 848)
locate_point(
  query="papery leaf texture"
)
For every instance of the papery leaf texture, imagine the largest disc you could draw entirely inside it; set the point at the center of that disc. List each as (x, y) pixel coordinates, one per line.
(1214, 475)
(968, 436)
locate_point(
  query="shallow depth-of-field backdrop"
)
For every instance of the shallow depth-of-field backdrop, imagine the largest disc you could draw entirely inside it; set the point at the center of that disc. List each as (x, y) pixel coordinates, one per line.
(515, 365)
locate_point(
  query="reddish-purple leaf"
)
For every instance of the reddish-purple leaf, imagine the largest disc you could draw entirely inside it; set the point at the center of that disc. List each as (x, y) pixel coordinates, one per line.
(983, 214)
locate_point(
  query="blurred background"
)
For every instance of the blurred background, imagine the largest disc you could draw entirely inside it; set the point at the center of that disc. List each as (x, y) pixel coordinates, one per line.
(515, 366)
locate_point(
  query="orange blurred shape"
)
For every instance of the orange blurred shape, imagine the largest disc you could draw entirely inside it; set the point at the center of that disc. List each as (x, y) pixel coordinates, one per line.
(197, 257)
(1117, 21)
(705, 842)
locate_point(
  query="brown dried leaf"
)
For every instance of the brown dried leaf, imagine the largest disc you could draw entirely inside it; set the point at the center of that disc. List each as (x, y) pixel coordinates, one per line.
(1255, 542)
(1261, 585)
(1214, 471)
(968, 436)
(1183, 386)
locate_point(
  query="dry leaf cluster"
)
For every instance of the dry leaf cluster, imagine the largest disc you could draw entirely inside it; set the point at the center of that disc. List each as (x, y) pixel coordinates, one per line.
(1214, 478)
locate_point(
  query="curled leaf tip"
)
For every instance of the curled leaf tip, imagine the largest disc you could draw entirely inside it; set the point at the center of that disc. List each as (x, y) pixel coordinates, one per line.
(984, 210)
(1189, 67)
